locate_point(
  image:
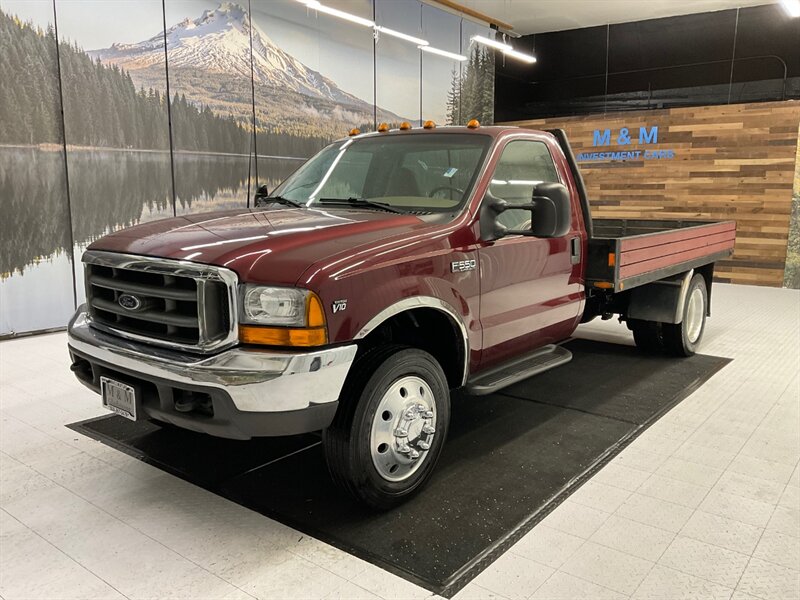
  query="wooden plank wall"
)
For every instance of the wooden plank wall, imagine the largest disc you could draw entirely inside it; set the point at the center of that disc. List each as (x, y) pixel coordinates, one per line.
(731, 162)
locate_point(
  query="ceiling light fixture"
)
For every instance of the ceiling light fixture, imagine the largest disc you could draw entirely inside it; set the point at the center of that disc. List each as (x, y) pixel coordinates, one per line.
(335, 12)
(792, 7)
(528, 58)
(508, 49)
(490, 42)
(444, 53)
(402, 36)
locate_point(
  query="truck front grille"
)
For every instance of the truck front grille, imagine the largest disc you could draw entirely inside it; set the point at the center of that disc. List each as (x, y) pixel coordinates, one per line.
(164, 302)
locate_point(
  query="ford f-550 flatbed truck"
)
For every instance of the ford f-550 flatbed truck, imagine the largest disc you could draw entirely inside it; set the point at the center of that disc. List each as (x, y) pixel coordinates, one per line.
(388, 270)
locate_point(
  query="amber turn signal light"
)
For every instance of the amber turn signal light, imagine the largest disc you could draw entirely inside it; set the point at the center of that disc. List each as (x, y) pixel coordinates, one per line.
(283, 336)
(612, 259)
(315, 316)
(474, 124)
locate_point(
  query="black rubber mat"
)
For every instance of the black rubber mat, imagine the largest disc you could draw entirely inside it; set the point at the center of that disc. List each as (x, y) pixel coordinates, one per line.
(509, 460)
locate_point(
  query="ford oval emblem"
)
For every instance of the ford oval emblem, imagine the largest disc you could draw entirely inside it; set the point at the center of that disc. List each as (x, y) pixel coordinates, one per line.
(129, 302)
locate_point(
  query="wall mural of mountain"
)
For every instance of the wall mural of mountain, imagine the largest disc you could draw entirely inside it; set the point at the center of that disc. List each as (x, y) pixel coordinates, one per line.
(209, 58)
(312, 81)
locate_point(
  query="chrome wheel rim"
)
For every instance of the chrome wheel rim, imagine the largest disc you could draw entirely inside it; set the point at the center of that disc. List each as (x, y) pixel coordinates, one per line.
(403, 428)
(694, 315)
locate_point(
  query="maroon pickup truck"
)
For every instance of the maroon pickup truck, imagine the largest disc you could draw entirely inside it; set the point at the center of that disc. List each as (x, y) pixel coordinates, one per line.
(388, 270)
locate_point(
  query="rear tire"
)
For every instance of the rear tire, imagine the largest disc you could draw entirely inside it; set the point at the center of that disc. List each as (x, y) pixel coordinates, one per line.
(389, 430)
(647, 335)
(683, 339)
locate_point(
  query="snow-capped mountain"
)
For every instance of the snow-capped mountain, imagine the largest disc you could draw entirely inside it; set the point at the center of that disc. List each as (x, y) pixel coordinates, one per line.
(218, 43)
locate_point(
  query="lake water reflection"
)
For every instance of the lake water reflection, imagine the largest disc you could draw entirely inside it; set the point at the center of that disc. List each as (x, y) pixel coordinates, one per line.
(109, 190)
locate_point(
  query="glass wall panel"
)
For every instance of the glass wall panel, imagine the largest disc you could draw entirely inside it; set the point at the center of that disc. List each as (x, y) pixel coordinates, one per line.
(476, 98)
(398, 62)
(114, 85)
(441, 76)
(35, 251)
(313, 80)
(208, 57)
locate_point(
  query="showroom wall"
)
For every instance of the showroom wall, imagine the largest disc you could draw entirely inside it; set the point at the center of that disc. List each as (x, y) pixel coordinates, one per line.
(186, 106)
(734, 161)
(723, 57)
(732, 158)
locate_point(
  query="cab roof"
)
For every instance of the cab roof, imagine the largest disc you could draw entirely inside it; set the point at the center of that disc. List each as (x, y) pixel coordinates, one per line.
(490, 130)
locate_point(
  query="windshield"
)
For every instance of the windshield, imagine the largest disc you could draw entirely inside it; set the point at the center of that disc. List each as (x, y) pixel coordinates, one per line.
(416, 172)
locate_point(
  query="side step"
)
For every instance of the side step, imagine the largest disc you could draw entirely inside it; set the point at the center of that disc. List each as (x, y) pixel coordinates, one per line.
(518, 369)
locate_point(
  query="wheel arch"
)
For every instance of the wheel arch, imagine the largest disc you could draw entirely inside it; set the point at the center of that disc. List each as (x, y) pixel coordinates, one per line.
(406, 320)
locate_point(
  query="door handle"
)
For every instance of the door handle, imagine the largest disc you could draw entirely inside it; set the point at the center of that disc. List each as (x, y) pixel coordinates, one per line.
(575, 250)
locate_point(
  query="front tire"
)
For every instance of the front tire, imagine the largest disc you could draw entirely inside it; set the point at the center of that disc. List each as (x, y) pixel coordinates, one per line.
(388, 433)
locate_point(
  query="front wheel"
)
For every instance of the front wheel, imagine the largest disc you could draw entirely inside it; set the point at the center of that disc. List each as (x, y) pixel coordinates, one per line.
(683, 339)
(390, 428)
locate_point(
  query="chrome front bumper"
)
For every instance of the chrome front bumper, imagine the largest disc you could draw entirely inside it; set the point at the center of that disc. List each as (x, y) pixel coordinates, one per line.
(260, 381)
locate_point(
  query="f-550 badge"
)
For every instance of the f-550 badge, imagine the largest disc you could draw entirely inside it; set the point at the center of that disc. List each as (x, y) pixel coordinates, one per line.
(339, 305)
(459, 266)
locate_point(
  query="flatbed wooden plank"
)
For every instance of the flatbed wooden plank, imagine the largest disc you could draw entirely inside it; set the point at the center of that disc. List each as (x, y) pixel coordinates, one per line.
(674, 248)
(675, 235)
(672, 259)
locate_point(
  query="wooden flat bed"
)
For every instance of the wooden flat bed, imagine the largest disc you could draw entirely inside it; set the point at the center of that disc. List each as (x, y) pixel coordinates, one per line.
(627, 253)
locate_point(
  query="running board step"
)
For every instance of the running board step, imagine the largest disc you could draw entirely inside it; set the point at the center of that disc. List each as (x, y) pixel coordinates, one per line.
(518, 369)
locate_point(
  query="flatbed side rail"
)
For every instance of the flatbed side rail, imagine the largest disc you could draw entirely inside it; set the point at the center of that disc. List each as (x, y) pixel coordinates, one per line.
(620, 262)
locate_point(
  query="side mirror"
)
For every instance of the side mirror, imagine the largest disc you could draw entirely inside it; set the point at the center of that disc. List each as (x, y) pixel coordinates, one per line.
(261, 195)
(550, 210)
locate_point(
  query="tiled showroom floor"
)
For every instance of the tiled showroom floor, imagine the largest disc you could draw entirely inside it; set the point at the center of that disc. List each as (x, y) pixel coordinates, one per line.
(705, 504)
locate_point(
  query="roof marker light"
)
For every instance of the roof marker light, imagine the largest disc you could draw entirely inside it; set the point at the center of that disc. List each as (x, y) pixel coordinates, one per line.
(429, 125)
(354, 131)
(474, 124)
(383, 128)
(405, 126)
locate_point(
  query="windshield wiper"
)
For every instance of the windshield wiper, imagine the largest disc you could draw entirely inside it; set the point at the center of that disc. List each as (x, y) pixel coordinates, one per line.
(280, 200)
(361, 202)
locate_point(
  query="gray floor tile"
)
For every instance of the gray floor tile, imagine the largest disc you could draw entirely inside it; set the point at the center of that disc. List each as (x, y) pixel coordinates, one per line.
(606, 567)
(514, 577)
(767, 580)
(705, 561)
(632, 537)
(721, 531)
(663, 583)
(780, 549)
(563, 586)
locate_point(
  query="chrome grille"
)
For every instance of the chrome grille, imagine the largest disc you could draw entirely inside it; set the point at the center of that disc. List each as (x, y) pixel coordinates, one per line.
(164, 302)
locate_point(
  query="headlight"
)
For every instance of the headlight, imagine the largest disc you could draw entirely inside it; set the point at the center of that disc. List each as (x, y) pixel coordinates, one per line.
(280, 316)
(274, 306)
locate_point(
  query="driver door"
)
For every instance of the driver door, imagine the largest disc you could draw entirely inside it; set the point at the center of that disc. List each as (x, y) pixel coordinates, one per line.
(528, 295)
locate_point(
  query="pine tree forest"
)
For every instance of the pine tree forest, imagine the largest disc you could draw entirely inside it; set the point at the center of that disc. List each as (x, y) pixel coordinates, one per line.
(471, 94)
(104, 108)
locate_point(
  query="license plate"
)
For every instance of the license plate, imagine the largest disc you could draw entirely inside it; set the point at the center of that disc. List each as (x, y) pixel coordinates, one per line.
(119, 397)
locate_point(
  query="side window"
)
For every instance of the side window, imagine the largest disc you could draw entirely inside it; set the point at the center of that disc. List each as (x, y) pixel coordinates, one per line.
(522, 165)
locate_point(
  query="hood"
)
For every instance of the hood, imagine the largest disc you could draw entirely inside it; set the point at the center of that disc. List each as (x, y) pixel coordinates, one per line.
(262, 246)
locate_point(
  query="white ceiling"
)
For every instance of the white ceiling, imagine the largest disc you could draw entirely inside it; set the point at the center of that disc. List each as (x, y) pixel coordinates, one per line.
(538, 16)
